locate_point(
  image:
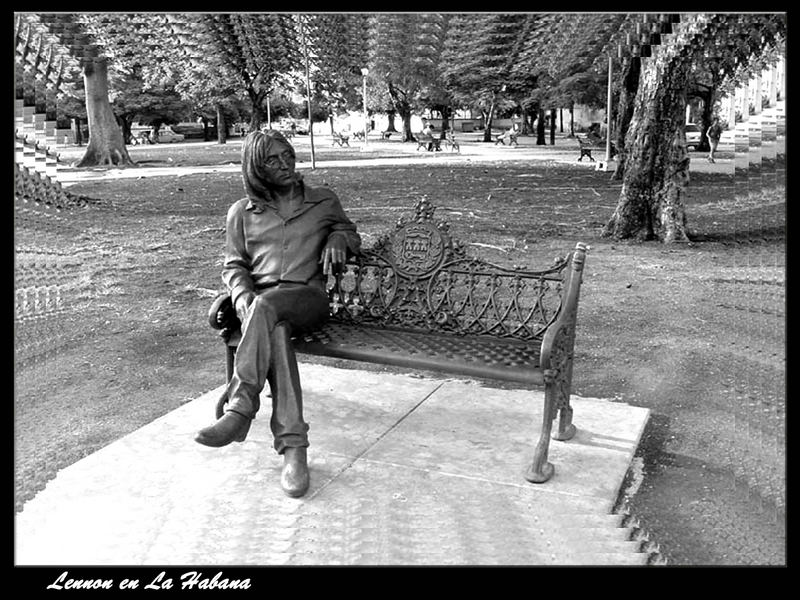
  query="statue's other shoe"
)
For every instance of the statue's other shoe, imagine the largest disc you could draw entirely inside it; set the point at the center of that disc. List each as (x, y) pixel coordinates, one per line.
(230, 427)
(294, 477)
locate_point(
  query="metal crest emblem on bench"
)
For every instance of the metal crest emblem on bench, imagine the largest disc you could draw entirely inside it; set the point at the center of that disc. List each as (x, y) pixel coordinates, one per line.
(415, 299)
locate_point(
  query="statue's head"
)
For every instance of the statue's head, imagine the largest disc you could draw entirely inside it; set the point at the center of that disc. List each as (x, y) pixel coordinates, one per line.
(268, 163)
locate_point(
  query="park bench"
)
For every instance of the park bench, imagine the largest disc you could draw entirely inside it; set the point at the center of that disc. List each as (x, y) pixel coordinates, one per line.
(341, 139)
(385, 135)
(450, 142)
(586, 145)
(428, 142)
(511, 136)
(415, 299)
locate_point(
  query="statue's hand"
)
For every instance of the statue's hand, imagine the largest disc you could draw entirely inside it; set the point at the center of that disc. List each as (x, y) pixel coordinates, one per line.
(334, 255)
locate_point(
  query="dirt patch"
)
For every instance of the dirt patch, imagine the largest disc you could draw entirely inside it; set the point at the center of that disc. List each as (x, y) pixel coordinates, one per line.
(694, 332)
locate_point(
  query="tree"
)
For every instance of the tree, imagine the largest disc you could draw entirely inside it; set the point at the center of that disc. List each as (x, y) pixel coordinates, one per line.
(629, 85)
(404, 52)
(338, 44)
(233, 54)
(655, 175)
(77, 32)
(479, 53)
(563, 61)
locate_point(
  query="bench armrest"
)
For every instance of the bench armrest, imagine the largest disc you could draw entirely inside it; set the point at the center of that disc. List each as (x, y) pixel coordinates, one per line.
(558, 340)
(222, 314)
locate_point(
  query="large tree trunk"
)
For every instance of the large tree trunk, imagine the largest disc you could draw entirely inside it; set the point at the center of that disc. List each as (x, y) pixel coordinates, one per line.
(630, 84)
(656, 173)
(405, 116)
(526, 128)
(488, 117)
(446, 113)
(106, 144)
(125, 122)
(403, 108)
(390, 115)
(540, 140)
(259, 114)
(572, 120)
(222, 126)
(552, 126)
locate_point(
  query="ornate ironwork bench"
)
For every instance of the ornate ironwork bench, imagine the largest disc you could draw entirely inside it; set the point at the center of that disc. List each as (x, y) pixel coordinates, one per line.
(416, 300)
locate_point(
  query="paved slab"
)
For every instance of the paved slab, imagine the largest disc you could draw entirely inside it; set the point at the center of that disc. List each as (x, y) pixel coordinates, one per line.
(405, 470)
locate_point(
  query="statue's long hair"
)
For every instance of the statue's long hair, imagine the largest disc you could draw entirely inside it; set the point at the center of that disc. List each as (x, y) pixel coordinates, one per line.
(255, 148)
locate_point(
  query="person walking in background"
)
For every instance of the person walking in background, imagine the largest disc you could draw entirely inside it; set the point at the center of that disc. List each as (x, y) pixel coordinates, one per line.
(714, 133)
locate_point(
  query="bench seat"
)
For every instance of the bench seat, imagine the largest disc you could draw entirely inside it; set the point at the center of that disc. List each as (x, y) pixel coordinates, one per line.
(489, 357)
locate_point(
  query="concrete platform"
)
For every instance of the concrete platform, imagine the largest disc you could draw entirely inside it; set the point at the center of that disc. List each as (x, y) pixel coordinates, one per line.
(404, 471)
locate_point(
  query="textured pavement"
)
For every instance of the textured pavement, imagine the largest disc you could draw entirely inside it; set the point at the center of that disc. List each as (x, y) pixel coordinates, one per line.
(404, 471)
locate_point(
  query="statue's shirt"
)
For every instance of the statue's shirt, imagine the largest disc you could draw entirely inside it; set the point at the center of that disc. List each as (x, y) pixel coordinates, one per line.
(262, 248)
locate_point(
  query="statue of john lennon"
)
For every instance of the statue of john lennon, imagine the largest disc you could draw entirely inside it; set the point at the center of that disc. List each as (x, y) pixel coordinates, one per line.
(281, 242)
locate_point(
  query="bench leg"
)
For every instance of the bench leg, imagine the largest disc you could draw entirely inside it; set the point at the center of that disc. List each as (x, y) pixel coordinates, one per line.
(566, 430)
(541, 470)
(556, 399)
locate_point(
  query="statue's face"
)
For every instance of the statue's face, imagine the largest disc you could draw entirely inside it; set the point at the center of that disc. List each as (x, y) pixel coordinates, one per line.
(279, 163)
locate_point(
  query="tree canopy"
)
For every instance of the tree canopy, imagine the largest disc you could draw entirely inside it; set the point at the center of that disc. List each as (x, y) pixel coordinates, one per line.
(487, 61)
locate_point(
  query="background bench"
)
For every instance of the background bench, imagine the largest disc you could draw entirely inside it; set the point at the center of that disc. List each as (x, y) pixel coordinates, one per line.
(426, 141)
(416, 300)
(450, 142)
(511, 136)
(586, 145)
(341, 139)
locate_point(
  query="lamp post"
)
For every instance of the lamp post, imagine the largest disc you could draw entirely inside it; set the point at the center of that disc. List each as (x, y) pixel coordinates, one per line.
(365, 72)
(608, 114)
(308, 95)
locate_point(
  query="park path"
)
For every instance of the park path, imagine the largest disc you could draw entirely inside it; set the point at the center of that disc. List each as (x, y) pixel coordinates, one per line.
(471, 153)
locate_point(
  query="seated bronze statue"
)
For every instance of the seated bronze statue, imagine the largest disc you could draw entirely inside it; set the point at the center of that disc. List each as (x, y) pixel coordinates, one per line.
(282, 240)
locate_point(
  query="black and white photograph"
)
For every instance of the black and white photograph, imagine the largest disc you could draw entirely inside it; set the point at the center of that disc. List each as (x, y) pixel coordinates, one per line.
(419, 289)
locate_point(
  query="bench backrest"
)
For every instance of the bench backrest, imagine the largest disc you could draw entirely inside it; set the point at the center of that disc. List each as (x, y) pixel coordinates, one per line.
(418, 277)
